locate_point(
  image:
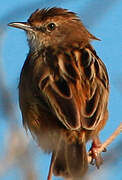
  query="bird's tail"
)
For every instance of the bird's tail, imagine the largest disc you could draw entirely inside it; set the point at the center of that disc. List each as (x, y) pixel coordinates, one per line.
(71, 160)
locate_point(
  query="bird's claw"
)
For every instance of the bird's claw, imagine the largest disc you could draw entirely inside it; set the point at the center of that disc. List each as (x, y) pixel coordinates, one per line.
(96, 157)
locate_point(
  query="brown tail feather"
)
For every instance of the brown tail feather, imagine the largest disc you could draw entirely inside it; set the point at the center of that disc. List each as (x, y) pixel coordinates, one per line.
(71, 160)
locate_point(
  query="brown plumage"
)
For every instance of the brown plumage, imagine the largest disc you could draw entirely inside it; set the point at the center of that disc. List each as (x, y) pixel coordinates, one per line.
(63, 89)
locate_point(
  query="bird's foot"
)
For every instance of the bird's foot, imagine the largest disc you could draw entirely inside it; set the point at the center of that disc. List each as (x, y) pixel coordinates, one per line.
(95, 154)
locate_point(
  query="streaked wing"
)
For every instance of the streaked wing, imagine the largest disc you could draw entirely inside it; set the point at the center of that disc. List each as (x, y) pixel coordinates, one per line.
(76, 87)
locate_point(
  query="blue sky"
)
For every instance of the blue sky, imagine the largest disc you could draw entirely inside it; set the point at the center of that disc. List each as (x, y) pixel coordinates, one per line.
(104, 20)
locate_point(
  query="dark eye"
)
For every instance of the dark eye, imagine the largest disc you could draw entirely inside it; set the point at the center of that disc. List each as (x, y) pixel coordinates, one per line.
(51, 26)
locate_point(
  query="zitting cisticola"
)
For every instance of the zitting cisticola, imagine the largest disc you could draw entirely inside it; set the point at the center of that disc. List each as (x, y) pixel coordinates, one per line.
(63, 89)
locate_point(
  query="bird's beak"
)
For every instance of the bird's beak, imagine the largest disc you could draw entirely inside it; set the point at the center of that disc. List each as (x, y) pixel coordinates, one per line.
(21, 25)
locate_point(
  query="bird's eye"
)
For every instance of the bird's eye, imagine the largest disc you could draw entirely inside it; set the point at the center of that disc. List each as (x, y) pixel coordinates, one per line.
(51, 26)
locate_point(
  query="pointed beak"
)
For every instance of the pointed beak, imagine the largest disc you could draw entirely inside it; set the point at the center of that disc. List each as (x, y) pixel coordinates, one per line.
(21, 25)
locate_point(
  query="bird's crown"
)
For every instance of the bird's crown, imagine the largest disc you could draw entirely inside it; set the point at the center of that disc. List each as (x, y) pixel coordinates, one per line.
(44, 14)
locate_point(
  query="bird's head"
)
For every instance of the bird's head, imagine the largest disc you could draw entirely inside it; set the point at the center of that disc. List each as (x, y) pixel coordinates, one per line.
(55, 27)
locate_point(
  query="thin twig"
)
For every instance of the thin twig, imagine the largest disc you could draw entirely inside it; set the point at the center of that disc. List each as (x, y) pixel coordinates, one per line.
(54, 155)
(108, 141)
(51, 166)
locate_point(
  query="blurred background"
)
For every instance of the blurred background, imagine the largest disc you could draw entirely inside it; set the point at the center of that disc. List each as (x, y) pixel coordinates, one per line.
(20, 157)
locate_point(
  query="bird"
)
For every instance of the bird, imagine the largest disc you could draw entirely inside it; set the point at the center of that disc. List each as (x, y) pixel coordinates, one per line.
(63, 90)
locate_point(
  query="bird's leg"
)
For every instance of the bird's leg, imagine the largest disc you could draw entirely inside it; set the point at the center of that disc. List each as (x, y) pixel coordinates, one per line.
(96, 156)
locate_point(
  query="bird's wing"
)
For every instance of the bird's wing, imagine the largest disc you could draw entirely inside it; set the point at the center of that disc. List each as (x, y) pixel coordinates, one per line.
(76, 87)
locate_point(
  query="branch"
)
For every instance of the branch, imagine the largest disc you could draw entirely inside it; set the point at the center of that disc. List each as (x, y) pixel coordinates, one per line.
(107, 142)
